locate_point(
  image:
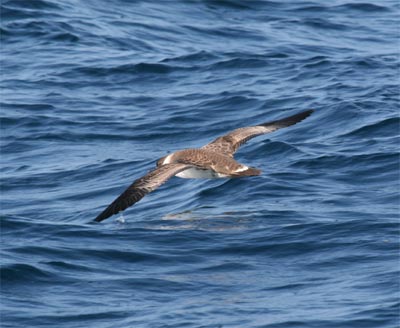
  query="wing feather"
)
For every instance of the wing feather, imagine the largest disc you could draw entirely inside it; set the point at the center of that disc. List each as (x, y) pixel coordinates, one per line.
(229, 143)
(140, 188)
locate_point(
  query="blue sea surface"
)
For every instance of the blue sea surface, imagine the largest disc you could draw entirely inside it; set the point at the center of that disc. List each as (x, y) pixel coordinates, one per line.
(95, 91)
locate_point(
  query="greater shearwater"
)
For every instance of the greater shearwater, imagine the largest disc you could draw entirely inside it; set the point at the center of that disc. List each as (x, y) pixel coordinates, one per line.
(214, 160)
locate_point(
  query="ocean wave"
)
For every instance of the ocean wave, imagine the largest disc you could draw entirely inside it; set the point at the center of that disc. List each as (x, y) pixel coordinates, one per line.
(94, 92)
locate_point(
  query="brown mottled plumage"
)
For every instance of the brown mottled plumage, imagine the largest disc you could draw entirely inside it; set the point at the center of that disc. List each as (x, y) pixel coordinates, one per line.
(214, 160)
(141, 187)
(230, 143)
(206, 159)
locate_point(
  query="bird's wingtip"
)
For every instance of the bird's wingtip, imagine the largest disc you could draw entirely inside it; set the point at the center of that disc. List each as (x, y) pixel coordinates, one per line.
(101, 217)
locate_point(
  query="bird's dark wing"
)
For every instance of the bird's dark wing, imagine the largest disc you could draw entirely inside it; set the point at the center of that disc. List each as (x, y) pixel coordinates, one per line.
(141, 187)
(229, 143)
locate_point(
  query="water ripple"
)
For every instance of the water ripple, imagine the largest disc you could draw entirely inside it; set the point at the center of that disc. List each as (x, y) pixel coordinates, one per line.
(94, 92)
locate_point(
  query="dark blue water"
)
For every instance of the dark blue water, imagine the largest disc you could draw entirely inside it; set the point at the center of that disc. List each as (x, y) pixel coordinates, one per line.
(94, 92)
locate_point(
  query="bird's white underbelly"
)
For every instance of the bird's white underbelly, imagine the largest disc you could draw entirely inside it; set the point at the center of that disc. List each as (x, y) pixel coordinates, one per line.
(195, 173)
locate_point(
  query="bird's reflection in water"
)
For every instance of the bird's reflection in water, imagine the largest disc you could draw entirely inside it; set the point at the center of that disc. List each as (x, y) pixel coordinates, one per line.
(205, 220)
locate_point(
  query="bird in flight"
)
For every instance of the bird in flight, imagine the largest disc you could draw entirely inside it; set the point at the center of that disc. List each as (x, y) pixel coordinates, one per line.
(214, 160)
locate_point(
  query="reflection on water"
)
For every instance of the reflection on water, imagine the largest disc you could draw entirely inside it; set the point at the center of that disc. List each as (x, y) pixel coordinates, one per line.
(207, 219)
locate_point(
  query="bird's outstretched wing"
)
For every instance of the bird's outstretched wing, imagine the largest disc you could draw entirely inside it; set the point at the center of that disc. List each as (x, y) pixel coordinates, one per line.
(141, 187)
(229, 143)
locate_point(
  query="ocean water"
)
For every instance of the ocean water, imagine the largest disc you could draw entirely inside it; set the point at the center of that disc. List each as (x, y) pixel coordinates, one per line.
(95, 91)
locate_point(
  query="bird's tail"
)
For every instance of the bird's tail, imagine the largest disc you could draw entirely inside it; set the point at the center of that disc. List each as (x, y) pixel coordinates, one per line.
(251, 171)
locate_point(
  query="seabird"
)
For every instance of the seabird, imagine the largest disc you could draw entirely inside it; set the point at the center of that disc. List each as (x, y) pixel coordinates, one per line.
(214, 160)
